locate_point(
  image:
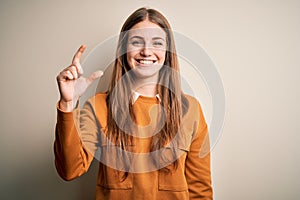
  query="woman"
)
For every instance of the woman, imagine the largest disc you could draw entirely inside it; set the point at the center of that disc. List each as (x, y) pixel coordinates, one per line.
(145, 132)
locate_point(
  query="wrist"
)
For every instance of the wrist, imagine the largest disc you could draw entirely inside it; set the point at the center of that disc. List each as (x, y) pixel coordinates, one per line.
(67, 106)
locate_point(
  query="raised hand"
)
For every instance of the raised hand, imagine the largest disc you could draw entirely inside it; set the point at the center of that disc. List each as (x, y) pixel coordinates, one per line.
(72, 84)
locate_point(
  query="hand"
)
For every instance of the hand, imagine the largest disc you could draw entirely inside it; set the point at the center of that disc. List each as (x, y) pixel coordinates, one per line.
(72, 84)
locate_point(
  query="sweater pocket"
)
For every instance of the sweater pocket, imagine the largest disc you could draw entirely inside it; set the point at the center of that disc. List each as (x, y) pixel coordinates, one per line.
(113, 167)
(110, 178)
(173, 179)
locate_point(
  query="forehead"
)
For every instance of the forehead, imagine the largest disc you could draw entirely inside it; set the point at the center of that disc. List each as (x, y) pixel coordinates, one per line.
(147, 29)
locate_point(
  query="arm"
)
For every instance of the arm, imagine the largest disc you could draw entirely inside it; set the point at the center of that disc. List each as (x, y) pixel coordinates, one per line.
(72, 158)
(197, 166)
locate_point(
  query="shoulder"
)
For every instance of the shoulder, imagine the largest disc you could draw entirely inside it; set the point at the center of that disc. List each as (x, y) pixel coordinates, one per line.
(190, 98)
(96, 106)
(194, 110)
(96, 103)
(101, 97)
(97, 99)
(193, 103)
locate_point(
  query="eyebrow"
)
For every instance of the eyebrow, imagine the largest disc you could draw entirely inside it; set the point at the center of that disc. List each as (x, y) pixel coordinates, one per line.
(139, 37)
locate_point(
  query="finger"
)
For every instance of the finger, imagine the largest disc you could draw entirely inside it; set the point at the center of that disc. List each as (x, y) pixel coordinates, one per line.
(78, 54)
(78, 69)
(94, 76)
(65, 75)
(73, 71)
(69, 75)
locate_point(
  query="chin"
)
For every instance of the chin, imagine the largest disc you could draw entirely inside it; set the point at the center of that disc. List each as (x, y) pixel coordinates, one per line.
(141, 72)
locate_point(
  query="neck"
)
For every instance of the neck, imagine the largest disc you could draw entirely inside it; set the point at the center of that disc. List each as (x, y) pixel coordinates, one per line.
(147, 90)
(146, 87)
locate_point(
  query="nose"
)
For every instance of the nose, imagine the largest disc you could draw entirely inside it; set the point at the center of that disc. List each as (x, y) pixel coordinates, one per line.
(146, 51)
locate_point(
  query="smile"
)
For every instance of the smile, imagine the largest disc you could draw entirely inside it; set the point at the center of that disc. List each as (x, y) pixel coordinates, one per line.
(145, 62)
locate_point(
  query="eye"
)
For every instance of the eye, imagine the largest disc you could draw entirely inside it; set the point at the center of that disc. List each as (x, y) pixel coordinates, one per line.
(158, 44)
(137, 43)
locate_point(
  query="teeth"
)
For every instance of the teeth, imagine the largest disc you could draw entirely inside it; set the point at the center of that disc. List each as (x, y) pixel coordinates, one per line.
(146, 62)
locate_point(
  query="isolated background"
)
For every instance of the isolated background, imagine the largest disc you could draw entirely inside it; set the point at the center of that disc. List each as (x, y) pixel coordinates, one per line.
(254, 44)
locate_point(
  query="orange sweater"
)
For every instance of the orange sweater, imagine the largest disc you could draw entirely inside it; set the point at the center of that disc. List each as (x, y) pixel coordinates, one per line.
(79, 138)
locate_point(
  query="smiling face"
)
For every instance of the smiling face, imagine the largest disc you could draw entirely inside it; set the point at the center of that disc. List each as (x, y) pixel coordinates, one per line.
(146, 49)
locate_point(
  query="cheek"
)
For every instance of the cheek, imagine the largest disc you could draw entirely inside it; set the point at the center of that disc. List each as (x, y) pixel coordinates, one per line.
(129, 53)
(129, 57)
(162, 56)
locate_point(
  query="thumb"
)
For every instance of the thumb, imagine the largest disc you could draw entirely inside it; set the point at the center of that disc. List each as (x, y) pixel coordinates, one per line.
(94, 76)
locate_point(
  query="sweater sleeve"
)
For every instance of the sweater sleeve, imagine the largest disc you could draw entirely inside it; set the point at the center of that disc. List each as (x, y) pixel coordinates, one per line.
(197, 166)
(72, 157)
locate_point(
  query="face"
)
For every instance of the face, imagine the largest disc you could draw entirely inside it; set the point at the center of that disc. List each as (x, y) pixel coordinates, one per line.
(146, 49)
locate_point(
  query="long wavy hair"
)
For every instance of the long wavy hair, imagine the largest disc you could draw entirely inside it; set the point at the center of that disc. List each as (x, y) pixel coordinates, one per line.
(168, 88)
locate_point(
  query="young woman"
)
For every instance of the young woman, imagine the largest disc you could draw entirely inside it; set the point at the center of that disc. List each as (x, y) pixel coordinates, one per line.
(146, 134)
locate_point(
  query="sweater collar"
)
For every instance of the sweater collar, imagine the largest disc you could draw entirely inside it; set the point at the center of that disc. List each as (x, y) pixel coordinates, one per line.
(135, 95)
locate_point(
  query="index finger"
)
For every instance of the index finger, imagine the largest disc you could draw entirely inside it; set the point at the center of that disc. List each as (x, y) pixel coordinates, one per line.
(78, 54)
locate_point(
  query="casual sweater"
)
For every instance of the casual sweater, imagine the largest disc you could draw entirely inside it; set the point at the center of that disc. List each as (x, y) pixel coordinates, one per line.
(80, 137)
